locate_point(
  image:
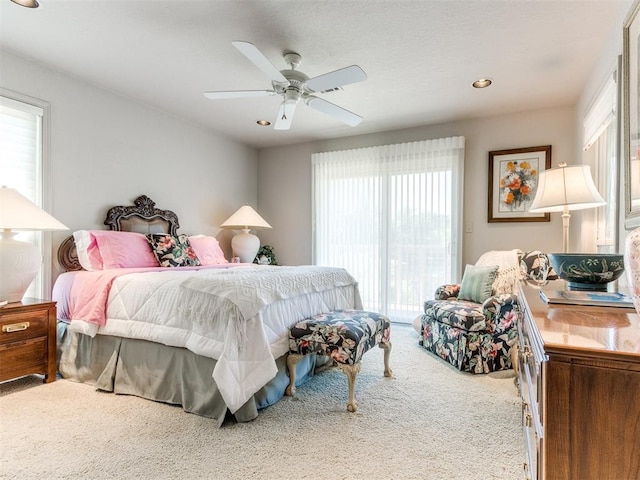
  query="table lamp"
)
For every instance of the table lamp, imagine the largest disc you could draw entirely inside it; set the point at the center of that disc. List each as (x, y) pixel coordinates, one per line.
(20, 261)
(563, 189)
(245, 245)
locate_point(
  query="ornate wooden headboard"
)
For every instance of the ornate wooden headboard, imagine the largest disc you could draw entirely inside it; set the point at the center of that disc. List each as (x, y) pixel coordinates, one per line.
(141, 217)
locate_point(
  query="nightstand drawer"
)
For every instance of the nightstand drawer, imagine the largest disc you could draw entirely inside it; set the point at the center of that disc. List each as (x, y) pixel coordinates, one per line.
(23, 357)
(28, 339)
(23, 326)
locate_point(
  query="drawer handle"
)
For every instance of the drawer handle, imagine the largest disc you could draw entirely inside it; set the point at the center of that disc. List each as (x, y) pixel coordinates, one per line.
(528, 420)
(527, 417)
(15, 327)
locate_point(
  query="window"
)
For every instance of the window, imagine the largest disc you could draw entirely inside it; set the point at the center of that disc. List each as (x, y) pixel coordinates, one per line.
(601, 154)
(391, 216)
(22, 134)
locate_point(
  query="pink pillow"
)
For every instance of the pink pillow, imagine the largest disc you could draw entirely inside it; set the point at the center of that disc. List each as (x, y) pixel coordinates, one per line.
(105, 249)
(207, 249)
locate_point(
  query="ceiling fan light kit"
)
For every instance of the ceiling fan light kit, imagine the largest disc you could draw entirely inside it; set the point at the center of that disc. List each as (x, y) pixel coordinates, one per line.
(293, 85)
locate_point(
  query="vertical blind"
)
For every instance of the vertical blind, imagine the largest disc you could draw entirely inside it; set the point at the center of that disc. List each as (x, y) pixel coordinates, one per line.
(391, 215)
(21, 161)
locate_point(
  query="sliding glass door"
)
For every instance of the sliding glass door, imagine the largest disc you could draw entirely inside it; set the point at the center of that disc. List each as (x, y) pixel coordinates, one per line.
(391, 216)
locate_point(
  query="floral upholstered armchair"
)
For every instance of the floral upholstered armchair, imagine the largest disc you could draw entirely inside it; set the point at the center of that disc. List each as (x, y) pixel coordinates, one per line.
(473, 325)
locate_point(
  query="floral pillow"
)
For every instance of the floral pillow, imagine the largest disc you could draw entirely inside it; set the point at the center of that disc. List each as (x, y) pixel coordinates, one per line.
(173, 251)
(535, 266)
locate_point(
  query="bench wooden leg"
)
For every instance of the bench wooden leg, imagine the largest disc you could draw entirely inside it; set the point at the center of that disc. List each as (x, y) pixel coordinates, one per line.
(292, 360)
(351, 371)
(387, 352)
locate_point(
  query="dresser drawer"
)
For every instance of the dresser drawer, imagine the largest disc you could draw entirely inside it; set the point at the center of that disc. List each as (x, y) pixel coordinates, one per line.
(533, 444)
(23, 357)
(19, 326)
(531, 358)
(531, 380)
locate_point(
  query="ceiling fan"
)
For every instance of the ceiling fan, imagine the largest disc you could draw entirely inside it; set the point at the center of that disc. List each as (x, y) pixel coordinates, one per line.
(293, 86)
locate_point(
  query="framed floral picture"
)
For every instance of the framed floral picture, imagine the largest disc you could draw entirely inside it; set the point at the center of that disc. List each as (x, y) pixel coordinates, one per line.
(513, 181)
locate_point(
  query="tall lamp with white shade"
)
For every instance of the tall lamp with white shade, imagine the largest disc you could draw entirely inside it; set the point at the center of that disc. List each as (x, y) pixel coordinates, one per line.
(245, 245)
(563, 189)
(20, 261)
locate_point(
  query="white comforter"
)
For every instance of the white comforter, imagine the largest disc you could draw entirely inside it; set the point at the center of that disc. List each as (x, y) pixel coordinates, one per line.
(240, 316)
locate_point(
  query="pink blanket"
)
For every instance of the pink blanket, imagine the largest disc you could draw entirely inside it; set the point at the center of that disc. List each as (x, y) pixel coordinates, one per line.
(90, 290)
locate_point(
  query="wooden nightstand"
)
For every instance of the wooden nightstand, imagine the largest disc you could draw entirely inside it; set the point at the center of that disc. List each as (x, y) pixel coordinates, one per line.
(28, 339)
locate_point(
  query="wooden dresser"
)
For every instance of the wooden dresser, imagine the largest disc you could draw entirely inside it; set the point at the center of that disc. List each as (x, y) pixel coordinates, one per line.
(28, 339)
(579, 377)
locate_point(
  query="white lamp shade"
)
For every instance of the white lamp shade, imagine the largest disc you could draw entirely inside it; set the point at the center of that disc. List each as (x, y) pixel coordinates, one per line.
(17, 212)
(20, 261)
(570, 186)
(245, 217)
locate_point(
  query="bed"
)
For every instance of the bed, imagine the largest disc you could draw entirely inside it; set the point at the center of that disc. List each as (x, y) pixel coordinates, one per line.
(210, 336)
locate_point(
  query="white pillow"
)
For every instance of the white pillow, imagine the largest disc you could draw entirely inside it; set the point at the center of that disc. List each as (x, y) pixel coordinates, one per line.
(85, 241)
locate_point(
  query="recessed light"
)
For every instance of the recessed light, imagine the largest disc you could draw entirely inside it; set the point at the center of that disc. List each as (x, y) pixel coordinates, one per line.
(263, 123)
(27, 3)
(482, 83)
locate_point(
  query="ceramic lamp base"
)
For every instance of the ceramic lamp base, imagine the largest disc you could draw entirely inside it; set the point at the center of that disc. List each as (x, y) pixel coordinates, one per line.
(245, 245)
(19, 264)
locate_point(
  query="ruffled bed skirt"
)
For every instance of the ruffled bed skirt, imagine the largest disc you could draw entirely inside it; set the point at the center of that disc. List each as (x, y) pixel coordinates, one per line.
(164, 374)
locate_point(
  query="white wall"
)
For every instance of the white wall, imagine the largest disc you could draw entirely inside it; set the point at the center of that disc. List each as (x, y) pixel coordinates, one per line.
(284, 181)
(606, 64)
(106, 150)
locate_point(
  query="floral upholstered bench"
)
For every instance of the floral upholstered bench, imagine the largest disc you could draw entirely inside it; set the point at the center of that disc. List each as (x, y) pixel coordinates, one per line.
(342, 335)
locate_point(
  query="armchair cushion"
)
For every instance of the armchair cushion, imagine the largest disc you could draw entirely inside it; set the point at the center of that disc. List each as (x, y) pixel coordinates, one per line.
(456, 313)
(477, 283)
(496, 313)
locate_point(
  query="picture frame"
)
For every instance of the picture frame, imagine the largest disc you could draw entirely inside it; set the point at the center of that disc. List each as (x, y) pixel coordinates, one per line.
(631, 119)
(513, 182)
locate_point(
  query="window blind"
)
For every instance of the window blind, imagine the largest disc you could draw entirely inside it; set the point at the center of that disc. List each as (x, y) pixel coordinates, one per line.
(21, 163)
(391, 215)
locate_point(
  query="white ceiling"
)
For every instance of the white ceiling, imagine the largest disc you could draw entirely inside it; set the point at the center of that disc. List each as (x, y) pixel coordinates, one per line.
(420, 55)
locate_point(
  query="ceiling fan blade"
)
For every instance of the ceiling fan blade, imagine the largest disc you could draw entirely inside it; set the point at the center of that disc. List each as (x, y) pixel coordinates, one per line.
(285, 116)
(336, 79)
(250, 51)
(333, 110)
(239, 94)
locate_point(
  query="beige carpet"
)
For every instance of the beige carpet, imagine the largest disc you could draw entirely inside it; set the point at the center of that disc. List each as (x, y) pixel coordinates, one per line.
(429, 422)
